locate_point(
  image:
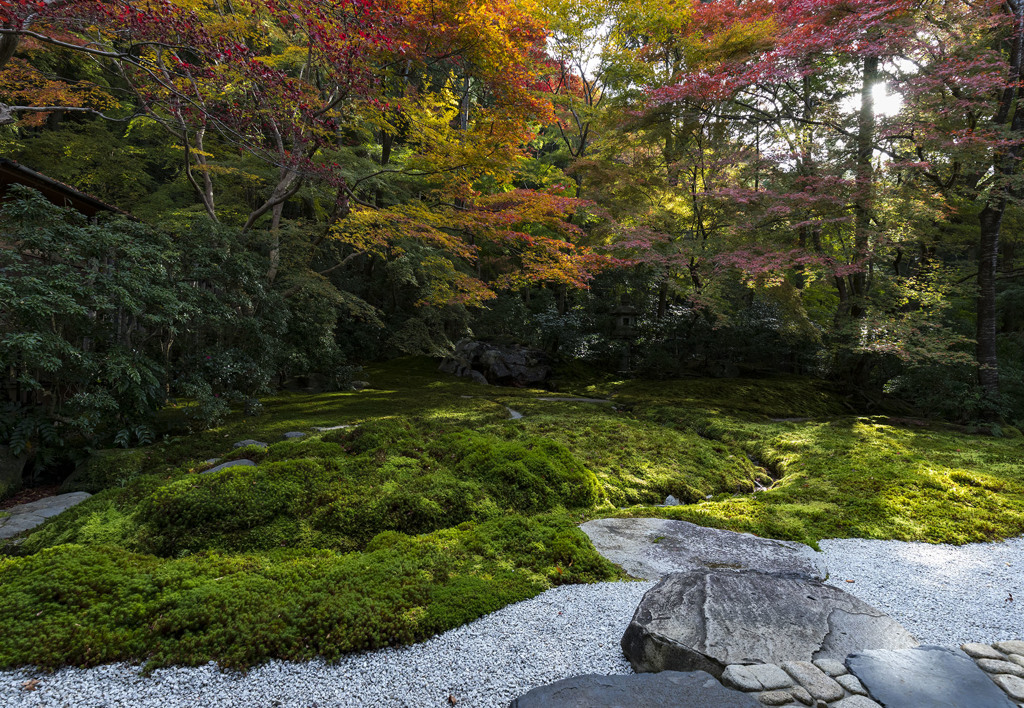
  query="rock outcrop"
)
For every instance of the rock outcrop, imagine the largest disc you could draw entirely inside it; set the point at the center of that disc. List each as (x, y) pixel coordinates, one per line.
(501, 365)
(705, 620)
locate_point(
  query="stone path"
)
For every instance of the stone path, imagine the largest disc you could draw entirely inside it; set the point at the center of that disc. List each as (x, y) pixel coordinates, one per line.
(865, 667)
(27, 516)
(974, 676)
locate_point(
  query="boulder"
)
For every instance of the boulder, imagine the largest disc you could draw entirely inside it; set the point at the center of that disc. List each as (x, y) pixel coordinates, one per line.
(11, 468)
(669, 689)
(704, 620)
(498, 364)
(926, 677)
(652, 548)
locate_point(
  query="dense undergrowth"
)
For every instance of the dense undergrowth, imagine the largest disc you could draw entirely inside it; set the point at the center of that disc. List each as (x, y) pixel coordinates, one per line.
(436, 508)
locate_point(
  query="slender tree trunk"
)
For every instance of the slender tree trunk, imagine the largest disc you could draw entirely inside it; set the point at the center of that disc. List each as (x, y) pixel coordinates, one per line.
(865, 183)
(990, 219)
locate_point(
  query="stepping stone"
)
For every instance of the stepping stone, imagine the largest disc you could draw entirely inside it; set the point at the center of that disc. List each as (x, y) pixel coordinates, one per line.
(25, 517)
(1013, 685)
(232, 463)
(926, 677)
(668, 689)
(652, 548)
(294, 435)
(814, 681)
(320, 429)
(705, 620)
(247, 443)
(1010, 647)
(982, 651)
(856, 702)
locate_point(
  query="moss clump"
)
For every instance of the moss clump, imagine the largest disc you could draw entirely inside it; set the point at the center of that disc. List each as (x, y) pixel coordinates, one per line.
(529, 474)
(86, 605)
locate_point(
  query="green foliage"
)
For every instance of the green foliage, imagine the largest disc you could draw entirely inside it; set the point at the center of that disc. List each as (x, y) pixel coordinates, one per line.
(79, 301)
(106, 468)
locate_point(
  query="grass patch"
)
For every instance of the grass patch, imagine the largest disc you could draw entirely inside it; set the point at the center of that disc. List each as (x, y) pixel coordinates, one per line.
(437, 508)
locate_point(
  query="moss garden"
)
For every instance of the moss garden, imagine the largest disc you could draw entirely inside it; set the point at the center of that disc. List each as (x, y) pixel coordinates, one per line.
(436, 508)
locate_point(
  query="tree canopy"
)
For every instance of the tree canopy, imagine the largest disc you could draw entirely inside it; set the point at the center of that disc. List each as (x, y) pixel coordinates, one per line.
(320, 183)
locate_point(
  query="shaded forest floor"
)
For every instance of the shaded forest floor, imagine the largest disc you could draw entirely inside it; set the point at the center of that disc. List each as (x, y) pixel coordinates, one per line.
(436, 508)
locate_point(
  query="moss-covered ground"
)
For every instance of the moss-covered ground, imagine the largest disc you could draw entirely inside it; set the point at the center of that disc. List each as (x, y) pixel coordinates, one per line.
(437, 508)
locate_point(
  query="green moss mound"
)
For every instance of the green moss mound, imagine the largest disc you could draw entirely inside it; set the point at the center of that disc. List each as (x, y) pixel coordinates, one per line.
(434, 507)
(87, 605)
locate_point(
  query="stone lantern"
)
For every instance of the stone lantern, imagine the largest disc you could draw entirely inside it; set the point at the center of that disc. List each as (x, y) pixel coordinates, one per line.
(625, 329)
(625, 320)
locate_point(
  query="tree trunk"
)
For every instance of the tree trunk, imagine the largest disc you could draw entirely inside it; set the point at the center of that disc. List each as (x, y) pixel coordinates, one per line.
(865, 183)
(990, 219)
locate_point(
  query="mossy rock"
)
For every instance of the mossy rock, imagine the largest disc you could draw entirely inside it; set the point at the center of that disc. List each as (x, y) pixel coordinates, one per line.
(105, 469)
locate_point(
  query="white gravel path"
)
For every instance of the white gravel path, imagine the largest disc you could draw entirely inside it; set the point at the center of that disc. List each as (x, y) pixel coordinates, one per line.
(942, 594)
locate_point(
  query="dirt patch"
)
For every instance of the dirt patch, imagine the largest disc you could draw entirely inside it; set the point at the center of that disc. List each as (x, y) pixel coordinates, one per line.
(30, 495)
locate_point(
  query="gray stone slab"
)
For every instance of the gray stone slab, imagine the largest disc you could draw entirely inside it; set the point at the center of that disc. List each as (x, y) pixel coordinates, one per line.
(994, 666)
(982, 651)
(1010, 647)
(832, 667)
(668, 689)
(11, 526)
(324, 429)
(770, 676)
(739, 677)
(247, 443)
(817, 682)
(707, 619)
(293, 435)
(652, 548)
(230, 463)
(856, 702)
(1013, 685)
(775, 698)
(926, 677)
(1016, 659)
(25, 517)
(852, 684)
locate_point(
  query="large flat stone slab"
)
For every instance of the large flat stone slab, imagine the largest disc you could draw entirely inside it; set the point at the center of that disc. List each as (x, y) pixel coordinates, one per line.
(25, 517)
(652, 548)
(926, 677)
(707, 619)
(669, 689)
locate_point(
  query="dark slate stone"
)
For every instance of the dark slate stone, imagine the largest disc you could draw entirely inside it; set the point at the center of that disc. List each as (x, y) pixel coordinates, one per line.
(926, 677)
(707, 619)
(668, 689)
(294, 435)
(232, 463)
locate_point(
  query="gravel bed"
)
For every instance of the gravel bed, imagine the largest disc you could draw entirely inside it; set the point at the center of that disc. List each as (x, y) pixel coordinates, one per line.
(942, 594)
(565, 631)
